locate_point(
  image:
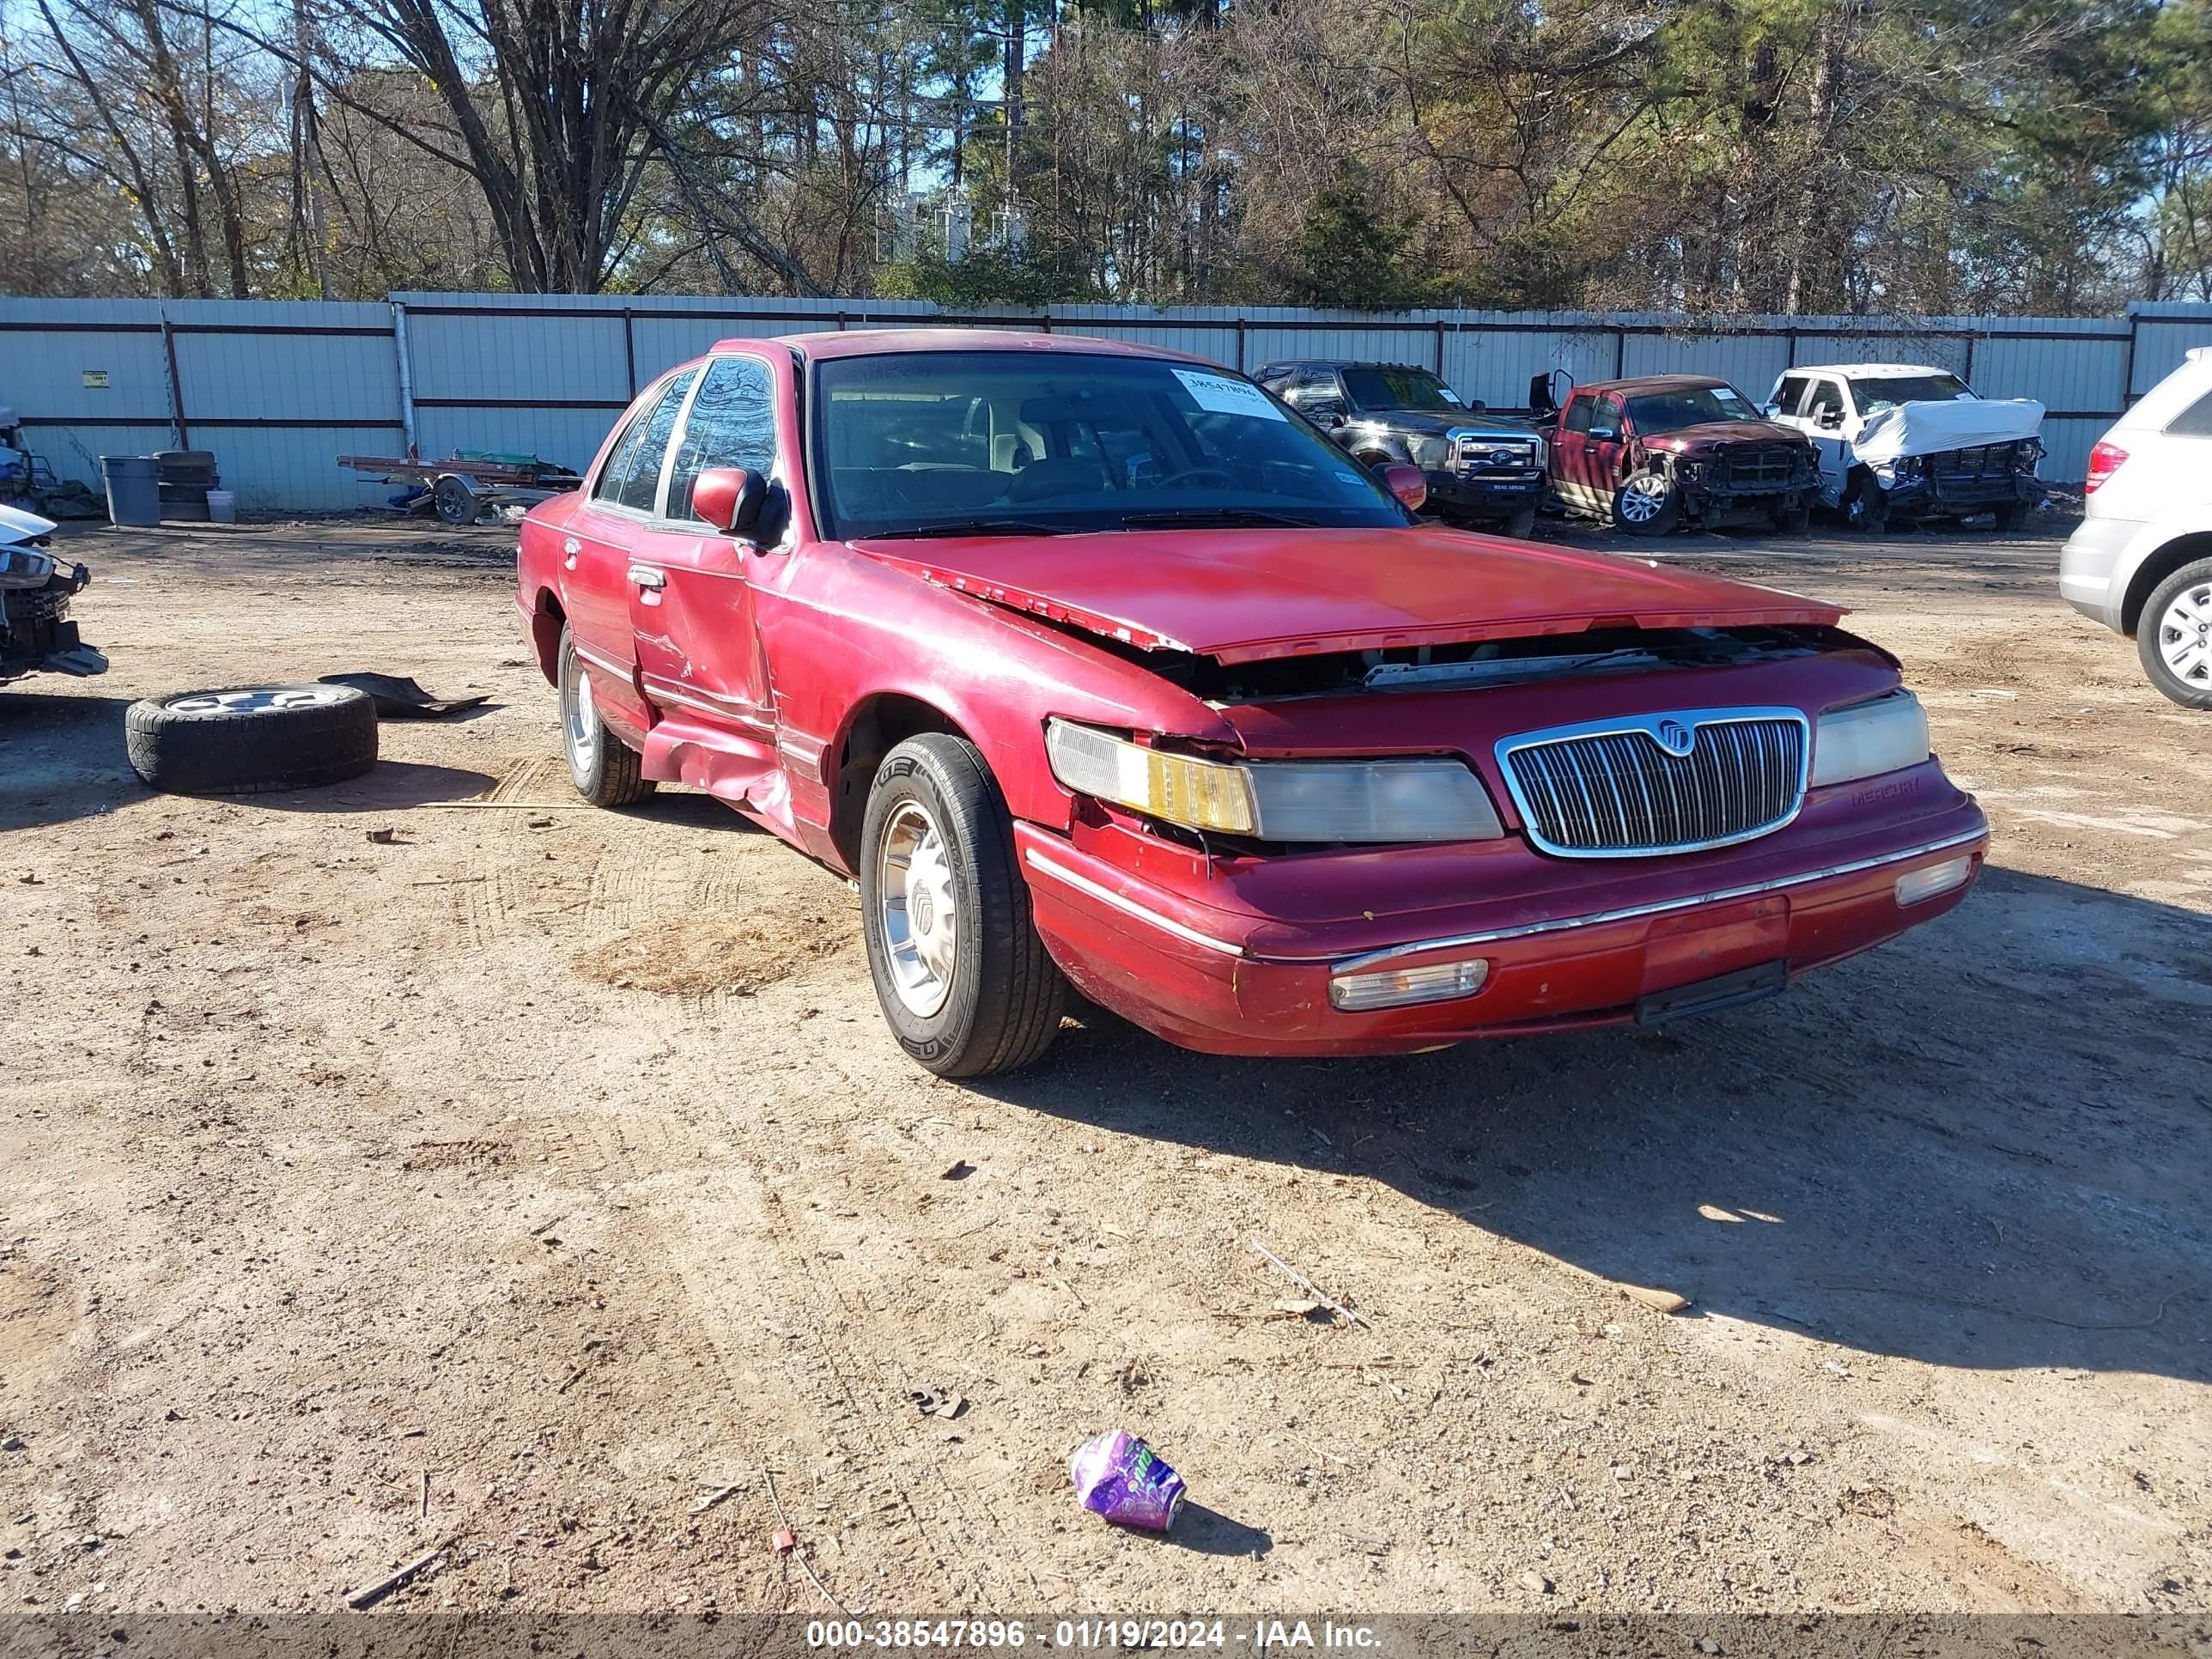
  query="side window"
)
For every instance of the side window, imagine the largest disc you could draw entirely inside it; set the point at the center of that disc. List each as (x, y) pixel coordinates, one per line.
(1826, 398)
(1577, 418)
(2194, 422)
(1789, 396)
(1610, 414)
(733, 424)
(631, 476)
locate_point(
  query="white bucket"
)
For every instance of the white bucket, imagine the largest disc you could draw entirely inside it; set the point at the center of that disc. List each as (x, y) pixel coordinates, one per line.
(223, 507)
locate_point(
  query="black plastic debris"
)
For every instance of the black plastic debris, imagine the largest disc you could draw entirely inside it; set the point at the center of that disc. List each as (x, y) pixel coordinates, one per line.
(398, 699)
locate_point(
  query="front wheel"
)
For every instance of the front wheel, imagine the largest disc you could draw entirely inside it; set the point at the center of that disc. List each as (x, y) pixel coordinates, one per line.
(2175, 637)
(1793, 520)
(1867, 506)
(1520, 526)
(2012, 516)
(965, 981)
(1647, 504)
(605, 770)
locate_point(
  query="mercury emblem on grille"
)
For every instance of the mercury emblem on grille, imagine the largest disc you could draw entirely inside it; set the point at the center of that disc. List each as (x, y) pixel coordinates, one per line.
(1675, 737)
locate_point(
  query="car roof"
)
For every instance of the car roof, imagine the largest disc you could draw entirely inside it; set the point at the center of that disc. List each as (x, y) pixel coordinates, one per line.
(1638, 383)
(1281, 363)
(1865, 371)
(886, 341)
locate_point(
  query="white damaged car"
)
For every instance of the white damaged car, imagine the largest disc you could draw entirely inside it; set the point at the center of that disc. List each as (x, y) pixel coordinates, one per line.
(1901, 441)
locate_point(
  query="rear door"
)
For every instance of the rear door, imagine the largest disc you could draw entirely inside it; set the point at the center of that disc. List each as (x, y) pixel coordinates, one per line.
(601, 536)
(691, 586)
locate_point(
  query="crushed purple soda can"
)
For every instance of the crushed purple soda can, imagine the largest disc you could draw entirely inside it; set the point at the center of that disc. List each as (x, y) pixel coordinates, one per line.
(1120, 1477)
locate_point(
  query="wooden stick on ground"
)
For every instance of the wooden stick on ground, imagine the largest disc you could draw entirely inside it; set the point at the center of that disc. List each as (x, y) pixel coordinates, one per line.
(369, 1595)
(1312, 1289)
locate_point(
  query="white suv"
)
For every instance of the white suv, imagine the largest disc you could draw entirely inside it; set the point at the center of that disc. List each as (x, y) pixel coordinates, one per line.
(2141, 561)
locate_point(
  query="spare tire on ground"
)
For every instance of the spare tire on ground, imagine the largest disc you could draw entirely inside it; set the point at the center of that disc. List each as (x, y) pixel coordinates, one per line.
(245, 740)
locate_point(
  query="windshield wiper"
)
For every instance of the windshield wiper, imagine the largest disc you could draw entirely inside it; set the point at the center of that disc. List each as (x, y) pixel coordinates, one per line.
(1225, 517)
(967, 527)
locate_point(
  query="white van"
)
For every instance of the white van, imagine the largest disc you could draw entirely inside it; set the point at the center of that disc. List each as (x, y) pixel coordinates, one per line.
(2141, 561)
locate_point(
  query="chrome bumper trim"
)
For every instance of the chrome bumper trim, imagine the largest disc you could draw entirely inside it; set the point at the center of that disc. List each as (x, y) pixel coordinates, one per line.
(1129, 906)
(1632, 912)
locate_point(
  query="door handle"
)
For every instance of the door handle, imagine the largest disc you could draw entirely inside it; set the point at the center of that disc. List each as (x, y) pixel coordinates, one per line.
(644, 575)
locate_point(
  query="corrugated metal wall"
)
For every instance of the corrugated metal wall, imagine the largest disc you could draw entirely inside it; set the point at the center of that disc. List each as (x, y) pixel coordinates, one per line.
(279, 390)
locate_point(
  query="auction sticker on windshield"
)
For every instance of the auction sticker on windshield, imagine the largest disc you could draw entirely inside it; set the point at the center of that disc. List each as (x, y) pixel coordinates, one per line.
(1223, 396)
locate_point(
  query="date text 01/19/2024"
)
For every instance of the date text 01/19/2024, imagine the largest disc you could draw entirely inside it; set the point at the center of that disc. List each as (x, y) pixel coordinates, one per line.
(1088, 1633)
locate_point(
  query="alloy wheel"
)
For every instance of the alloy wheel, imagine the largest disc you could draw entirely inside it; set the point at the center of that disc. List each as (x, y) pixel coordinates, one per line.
(917, 909)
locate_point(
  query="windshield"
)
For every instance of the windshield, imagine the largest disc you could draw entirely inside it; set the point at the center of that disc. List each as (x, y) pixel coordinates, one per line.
(1044, 442)
(1690, 406)
(1401, 388)
(1875, 395)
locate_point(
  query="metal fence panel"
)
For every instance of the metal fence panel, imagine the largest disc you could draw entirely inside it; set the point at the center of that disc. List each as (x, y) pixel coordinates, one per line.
(278, 389)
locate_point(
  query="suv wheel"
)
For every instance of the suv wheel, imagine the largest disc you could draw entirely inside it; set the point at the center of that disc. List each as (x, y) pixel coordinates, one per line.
(604, 769)
(2175, 637)
(963, 979)
(1647, 504)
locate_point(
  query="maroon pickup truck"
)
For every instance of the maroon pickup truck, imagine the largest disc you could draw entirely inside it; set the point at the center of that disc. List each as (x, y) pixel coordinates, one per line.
(1656, 453)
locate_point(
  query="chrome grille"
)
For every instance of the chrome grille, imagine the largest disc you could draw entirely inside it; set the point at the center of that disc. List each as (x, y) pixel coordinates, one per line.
(1472, 453)
(1619, 788)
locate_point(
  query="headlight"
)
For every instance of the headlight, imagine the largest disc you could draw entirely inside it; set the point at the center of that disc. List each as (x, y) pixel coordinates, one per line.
(1866, 739)
(24, 567)
(1372, 800)
(1431, 454)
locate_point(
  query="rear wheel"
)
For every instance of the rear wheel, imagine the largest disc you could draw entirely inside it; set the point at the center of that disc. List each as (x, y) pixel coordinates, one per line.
(1647, 504)
(2175, 637)
(965, 981)
(606, 771)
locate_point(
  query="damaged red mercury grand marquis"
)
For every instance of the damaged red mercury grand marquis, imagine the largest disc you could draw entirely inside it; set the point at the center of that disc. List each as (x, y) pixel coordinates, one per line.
(1093, 661)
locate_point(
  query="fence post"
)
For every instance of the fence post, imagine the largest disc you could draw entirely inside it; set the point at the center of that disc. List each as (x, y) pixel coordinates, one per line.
(1240, 343)
(630, 349)
(2128, 362)
(1620, 350)
(178, 430)
(401, 352)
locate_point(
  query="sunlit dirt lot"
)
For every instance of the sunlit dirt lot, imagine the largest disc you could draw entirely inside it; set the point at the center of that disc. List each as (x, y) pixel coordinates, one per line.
(515, 1187)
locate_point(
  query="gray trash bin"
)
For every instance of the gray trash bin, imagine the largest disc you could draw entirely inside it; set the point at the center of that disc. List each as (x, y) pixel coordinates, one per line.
(134, 488)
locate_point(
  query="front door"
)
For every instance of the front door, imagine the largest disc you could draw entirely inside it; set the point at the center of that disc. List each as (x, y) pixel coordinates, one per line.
(692, 587)
(1827, 422)
(597, 543)
(1604, 448)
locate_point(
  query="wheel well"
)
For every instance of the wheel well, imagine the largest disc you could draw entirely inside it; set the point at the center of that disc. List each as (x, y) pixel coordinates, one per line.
(2155, 570)
(1374, 458)
(881, 725)
(546, 622)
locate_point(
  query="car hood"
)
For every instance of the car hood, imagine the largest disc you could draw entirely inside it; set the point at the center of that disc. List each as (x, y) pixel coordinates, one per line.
(1244, 595)
(1706, 434)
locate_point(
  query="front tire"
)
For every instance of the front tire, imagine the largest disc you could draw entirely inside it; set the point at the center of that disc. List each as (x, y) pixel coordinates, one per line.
(1520, 526)
(606, 771)
(965, 981)
(2012, 516)
(1867, 506)
(1647, 504)
(2174, 638)
(1793, 520)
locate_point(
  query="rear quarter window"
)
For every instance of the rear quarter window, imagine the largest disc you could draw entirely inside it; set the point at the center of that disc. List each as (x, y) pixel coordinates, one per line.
(2194, 422)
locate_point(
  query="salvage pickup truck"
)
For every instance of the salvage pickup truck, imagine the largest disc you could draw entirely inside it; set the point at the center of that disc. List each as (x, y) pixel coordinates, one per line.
(1092, 663)
(1903, 442)
(1662, 451)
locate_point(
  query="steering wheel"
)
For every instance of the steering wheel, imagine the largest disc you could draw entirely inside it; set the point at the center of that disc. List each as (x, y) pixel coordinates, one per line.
(1218, 474)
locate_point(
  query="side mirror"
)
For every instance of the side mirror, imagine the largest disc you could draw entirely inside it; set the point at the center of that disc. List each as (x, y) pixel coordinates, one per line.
(730, 498)
(1830, 419)
(1475, 405)
(1326, 412)
(1770, 410)
(1409, 484)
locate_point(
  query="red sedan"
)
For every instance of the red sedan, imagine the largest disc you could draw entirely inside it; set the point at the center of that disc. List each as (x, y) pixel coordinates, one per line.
(1094, 665)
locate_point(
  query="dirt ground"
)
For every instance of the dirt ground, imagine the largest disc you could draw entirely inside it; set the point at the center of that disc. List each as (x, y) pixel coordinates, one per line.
(520, 1185)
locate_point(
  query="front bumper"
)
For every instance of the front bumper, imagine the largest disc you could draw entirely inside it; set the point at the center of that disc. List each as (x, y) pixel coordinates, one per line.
(1485, 495)
(36, 632)
(1242, 966)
